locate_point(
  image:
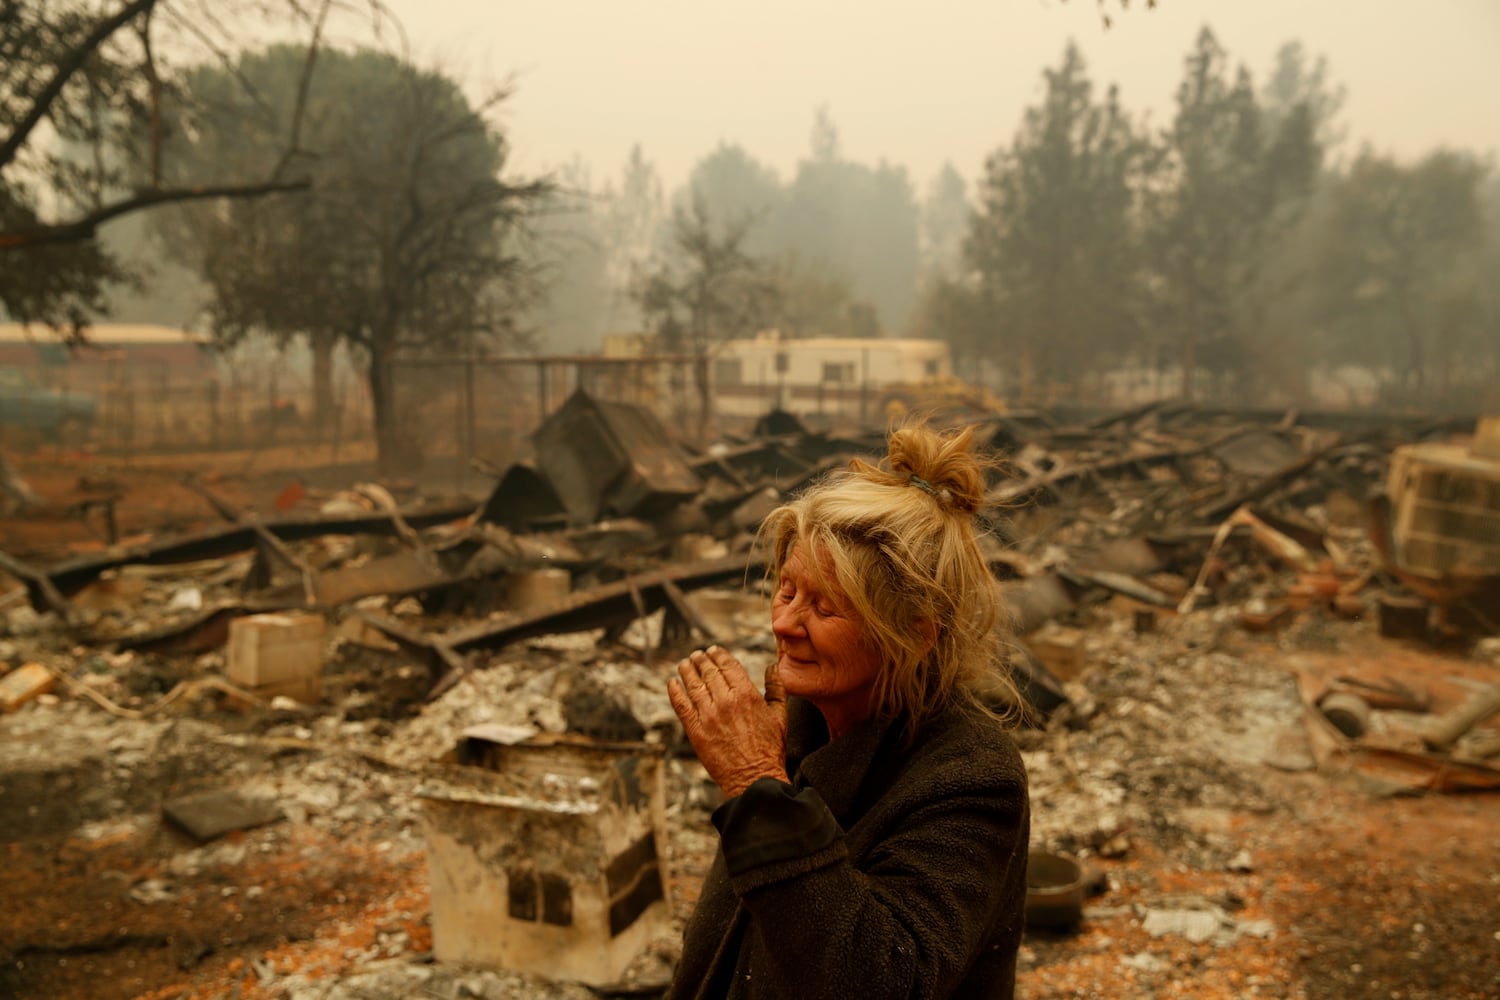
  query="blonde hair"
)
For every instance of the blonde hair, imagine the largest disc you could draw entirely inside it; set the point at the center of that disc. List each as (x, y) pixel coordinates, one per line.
(899, 540)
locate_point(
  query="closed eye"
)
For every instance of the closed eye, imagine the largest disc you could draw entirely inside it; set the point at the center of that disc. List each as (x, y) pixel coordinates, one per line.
(787, 593)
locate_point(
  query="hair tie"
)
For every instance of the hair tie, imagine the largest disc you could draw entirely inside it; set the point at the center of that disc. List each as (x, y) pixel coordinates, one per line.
(941, 494)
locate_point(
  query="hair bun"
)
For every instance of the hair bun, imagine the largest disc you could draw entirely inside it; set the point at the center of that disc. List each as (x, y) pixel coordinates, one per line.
(940, 464)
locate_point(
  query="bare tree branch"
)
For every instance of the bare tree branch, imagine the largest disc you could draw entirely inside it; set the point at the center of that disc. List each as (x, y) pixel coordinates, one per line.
(85, 227)
(153, 79)
(294, 136)
(70, 63)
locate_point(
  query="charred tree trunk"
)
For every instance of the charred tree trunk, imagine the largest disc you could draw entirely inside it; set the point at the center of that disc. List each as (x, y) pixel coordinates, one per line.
(1189, 364)
(705, 398)
(322, 377)
(388, 449)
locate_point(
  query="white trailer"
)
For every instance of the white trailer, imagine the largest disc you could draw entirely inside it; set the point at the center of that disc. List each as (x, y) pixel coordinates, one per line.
(828, 376)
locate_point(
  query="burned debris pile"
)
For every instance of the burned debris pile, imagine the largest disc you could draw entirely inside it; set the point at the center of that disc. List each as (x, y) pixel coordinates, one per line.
(1184, 586)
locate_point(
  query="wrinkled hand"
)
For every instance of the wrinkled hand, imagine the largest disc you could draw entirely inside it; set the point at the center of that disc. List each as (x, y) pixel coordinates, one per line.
(739, 734)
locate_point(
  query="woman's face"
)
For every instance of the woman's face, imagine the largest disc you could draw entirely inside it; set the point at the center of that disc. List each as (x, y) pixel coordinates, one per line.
(822, 651)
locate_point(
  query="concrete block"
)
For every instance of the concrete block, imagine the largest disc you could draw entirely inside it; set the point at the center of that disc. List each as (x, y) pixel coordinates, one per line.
(24, 684)
(207, 815)
(274, 649)
(550, 859)
(1060, 649)
(537, 588)
(1487, 438)
(1403, 617)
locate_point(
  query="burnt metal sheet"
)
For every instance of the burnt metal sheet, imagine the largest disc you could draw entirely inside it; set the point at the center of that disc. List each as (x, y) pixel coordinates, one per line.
(755, 461)
(521, 500)
(606, 459)
(1258, 451)
(1130, 587)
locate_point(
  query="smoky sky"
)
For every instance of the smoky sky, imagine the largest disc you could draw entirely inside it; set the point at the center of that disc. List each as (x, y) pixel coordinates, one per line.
(923, 83)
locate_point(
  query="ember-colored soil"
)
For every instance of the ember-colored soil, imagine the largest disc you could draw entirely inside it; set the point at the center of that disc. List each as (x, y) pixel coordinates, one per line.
(74, 930)
(1392, 898)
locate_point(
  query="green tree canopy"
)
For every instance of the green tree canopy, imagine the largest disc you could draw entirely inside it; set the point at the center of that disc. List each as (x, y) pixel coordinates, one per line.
(1231, 180)
(1053, 240)
(407, 239)
(945, 223)
(731, 191)
(858, 222)
(1406, 273)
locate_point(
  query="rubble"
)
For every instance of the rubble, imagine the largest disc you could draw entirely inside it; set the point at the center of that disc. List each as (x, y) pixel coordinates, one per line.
(31, 680)
(209, 815)
(1206, 629)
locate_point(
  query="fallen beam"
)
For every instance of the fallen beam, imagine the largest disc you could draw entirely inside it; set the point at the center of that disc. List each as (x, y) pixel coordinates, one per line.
(604, 605)
(1027, 490)
(41, 590)
(72, 576)
(608, 605)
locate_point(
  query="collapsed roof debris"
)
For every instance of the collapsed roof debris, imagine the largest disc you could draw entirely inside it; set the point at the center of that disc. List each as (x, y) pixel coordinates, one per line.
(1192, 602)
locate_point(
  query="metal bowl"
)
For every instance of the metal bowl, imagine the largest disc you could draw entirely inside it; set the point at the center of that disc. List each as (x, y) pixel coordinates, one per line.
(1054, 891)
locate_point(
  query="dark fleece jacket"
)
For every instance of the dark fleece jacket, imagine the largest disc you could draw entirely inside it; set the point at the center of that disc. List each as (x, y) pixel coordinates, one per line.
(886, 869)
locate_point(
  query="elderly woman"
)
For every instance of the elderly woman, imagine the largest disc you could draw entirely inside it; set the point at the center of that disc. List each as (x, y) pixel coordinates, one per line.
(874, 829)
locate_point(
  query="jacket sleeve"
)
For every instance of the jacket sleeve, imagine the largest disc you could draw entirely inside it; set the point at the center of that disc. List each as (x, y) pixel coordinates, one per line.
(906, 923)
